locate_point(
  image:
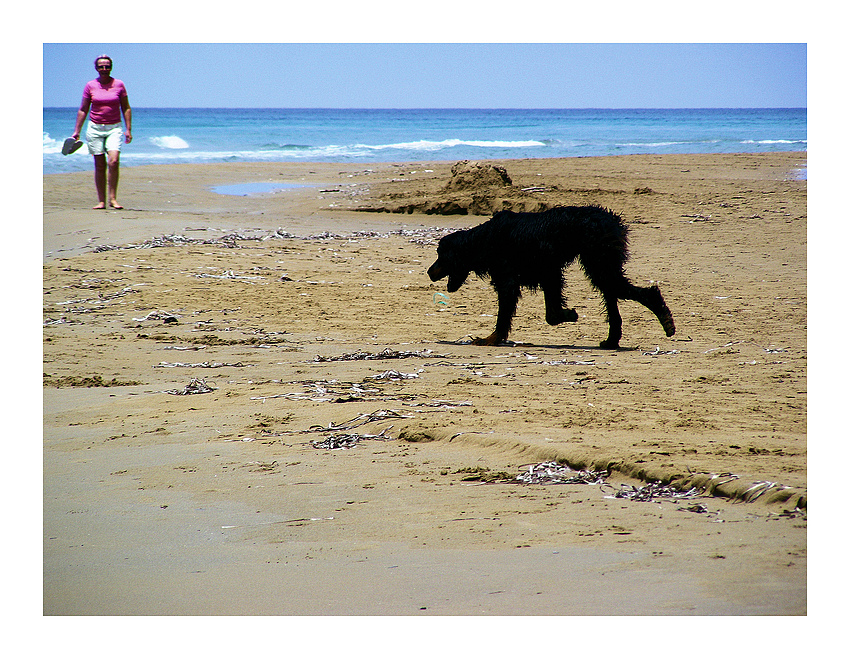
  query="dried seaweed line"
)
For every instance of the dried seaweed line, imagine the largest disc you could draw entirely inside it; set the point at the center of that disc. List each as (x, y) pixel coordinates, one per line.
(653, 491)
(60, 321)
(551, 473)
(386, 353)
(425, 236)
(345, 440)
(694, 508)
(229, 241)
(658, 351)
(228, 274)
(441, 404)
(195, 386)
(569, 362)
(728, 476)
(327, 389)
(100, 298)
(293, 396)
(198, 365)
(757, 489)
(336, 442)
(359, 420)
(771, 351)
(393, 376)
(158, 315)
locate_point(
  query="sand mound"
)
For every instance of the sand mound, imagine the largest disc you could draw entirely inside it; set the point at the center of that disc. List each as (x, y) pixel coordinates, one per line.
(474, 189)
(477, 188)
(473, 176)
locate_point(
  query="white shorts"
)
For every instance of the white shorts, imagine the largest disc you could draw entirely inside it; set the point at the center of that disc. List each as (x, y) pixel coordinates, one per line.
(102, 138)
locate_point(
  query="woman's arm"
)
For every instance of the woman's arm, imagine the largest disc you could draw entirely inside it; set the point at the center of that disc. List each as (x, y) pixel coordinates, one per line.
(81, 117)
(128, 119)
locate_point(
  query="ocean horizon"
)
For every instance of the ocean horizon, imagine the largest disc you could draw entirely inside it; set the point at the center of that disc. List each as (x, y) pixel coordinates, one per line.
(215, 135)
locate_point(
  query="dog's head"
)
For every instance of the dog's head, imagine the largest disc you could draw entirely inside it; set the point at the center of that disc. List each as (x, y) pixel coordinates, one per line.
(450, 262)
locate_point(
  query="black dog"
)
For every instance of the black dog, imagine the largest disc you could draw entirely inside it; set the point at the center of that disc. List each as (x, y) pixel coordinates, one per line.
(531, 250)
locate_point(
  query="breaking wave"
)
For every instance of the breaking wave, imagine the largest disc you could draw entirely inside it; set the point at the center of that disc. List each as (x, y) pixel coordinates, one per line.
(430, 145)
(169, 142)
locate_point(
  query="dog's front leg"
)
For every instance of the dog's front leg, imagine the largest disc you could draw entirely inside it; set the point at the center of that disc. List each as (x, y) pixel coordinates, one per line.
(557, 311)
(508, 297)
(615, 322)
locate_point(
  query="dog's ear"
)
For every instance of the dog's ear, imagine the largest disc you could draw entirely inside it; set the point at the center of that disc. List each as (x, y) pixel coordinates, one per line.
(445, 244)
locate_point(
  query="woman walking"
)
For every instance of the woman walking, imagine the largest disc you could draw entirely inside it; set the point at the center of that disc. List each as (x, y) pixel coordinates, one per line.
(106, 98)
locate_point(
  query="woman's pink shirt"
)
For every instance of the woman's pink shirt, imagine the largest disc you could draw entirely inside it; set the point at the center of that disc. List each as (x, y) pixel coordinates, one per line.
(105, 101)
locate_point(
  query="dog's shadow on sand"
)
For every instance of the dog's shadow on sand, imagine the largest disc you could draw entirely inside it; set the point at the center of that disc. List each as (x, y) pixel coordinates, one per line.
(521, 345)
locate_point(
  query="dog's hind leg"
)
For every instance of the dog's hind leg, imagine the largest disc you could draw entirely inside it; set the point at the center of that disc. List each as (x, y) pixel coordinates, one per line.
(556, 309)
(508, 298)
(607, 276)
(604, 269)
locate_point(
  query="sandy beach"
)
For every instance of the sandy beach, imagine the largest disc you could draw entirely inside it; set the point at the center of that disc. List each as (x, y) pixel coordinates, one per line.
(261, 405)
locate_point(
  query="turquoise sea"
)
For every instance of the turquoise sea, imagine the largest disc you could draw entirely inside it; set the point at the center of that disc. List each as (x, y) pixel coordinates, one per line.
(198, 135)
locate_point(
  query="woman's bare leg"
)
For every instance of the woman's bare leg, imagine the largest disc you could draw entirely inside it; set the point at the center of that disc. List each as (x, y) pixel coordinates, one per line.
(112, 178)
(100, 180)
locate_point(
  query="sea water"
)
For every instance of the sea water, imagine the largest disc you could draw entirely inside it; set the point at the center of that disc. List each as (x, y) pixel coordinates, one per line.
(205, 135)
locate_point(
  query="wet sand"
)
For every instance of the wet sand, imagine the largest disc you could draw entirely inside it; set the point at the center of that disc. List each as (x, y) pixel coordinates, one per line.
(308, 315)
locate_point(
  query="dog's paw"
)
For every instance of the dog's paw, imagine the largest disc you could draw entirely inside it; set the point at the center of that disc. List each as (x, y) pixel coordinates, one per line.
(566, 316)
(491, 340)
(607, 344)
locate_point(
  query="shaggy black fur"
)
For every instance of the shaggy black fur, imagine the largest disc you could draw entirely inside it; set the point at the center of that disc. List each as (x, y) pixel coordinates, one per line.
(531, 250)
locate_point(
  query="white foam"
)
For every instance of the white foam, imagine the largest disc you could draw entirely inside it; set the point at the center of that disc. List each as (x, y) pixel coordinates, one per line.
(651, 144)
(317, 152)
(49, 145)
(775, 142)
(182, 155)
(658, 144)
(169, 142)
(430, 145)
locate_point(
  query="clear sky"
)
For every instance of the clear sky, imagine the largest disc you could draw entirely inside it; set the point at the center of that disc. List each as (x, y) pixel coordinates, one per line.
(437, 75)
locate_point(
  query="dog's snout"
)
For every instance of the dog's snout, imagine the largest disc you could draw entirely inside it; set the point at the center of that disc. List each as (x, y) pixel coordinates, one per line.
(435, 272)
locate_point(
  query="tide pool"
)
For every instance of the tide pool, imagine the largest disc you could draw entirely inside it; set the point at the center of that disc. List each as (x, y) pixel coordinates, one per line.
(245, 189)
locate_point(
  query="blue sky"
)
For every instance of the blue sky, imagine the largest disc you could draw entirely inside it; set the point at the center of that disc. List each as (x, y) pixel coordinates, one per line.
(437, 75)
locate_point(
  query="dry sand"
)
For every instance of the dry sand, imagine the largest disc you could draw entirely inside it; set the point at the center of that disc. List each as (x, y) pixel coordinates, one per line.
(219, 503)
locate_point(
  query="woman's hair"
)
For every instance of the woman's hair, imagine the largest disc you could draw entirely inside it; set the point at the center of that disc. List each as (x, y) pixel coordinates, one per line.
(97, 59)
